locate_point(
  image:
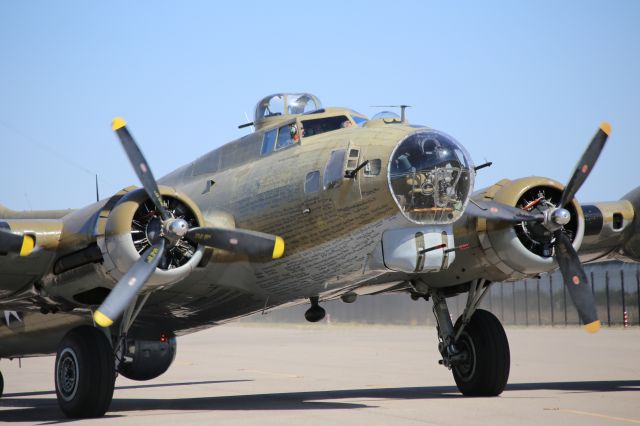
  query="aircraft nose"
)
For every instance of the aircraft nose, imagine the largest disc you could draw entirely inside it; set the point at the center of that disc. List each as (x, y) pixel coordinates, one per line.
(431, 177)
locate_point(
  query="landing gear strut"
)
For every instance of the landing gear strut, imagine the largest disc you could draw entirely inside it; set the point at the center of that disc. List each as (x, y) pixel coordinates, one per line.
(476, 349)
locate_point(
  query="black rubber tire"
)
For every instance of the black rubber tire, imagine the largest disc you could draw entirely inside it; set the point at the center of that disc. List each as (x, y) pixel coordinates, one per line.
(487, 369)
(84, 373)
(1, 384)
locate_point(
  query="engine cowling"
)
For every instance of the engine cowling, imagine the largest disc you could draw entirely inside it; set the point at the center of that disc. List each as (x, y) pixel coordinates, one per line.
(525, 248)
(631, 248)
(147, 359)
(129, 227)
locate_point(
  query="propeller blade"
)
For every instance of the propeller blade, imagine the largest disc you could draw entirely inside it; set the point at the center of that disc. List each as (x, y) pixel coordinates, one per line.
(495, 210)
(251, 243)
(575, 279)
(586, 163)
(15, 243)
(127, 288)
(139, 165)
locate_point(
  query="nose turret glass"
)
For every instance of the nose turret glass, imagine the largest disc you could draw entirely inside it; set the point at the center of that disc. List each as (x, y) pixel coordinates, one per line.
(431, 177)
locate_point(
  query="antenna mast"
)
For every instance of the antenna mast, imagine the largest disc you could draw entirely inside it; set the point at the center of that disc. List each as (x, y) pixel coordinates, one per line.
(97, 191)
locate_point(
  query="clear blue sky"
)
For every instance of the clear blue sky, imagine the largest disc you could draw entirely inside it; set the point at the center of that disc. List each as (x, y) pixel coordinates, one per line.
(522, 84)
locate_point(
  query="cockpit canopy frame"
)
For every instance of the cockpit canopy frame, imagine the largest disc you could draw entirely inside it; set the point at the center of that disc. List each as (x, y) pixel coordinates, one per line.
(278, 105)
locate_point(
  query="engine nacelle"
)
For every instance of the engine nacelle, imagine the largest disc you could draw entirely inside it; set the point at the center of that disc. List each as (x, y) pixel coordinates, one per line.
(147, 359)
(130, 226)
(525, 248)
(632, 245)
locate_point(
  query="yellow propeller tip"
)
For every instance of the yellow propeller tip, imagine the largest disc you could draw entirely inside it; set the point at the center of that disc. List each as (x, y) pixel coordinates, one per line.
(278, 248)
(101, 319)
(606, 127)
(593, 327)
(28, 243)
(118, 123)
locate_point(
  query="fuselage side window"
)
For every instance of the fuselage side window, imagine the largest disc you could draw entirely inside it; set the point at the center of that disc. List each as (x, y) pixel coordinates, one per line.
(334, 170)
(373, 167)
(268, 141)
(312, 182)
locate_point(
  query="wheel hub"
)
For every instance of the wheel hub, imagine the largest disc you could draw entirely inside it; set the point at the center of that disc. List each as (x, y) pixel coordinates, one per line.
(67, 374)
(465, 364)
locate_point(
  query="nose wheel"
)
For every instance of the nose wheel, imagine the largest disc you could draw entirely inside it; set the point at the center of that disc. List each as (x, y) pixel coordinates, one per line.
(475, 349)
(483, 368)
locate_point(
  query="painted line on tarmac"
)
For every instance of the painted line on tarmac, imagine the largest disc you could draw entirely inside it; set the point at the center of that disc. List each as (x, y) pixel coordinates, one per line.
(602, 416)
(271, 373)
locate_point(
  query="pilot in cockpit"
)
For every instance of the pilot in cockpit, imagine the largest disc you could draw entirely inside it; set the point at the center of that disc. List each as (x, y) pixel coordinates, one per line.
(296, 133)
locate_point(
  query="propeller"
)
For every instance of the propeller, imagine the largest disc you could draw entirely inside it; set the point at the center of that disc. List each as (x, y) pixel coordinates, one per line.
(129, 285)
(573, 275)
(491, 209)
(140, 166)
(575, 279)
(16, 243)
(251, 243)
(586, 163)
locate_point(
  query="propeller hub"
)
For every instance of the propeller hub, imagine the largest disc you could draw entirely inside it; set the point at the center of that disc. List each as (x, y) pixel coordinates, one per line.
(177, 227)
(560, 216)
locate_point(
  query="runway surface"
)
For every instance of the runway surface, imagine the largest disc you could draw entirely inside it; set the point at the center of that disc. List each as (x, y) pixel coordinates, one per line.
(348, 374)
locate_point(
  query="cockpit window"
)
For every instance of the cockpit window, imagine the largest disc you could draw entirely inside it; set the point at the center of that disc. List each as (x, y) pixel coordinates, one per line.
(268, 141)
(287, 135)
(359, 120)
(323, 125)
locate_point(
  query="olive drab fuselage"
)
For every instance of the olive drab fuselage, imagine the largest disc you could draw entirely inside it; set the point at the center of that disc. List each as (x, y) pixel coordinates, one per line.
(360, 204)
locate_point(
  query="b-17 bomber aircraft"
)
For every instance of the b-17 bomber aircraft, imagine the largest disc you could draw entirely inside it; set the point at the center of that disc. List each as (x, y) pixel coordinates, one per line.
(364, 206)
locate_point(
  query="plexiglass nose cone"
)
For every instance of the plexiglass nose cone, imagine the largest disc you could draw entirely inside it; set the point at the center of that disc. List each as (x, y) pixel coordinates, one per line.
(431, 177)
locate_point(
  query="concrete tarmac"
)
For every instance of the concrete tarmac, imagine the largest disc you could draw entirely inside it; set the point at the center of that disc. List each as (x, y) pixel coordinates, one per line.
(350, 374)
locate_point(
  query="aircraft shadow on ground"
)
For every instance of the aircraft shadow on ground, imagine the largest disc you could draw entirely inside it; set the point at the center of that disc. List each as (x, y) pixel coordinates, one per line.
(46, 411)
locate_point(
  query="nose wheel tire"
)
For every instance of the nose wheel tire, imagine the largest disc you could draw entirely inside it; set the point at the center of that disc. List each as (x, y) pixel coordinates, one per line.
(484, 368)
(84, 373)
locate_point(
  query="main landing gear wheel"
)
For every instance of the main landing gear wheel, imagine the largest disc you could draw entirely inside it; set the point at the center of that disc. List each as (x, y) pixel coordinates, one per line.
(84, 373)
(484, 369)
